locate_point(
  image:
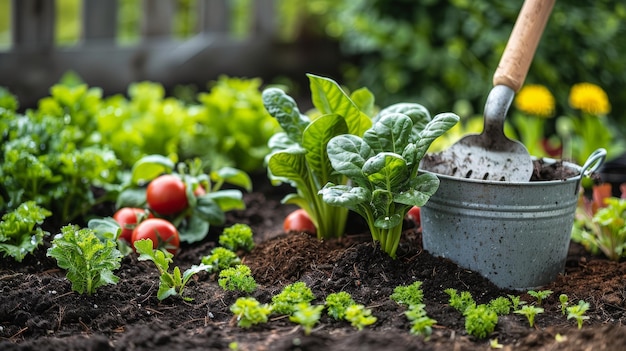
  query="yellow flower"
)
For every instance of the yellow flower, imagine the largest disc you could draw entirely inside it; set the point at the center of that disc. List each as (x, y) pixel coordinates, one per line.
(535, 100)
(589, 98)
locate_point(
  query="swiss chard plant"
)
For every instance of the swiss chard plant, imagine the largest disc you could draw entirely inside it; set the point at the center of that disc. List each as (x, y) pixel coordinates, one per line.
(299, 154)
(382, 167)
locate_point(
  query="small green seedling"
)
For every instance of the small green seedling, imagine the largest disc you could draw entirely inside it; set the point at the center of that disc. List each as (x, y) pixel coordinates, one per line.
(409, 294)
(170, 283)
(516, 301)
(578, 312)
(306, 315)
(494, 344)
(88, 259)
(237, 237)
(238, 278)
(564, 302)
(480, 320)
(249, 311)
(500, 305)
(359, 316)
(338, 303)
(220, 259)
(530, 312)
(460, 302)
(540, 295)
(421, 324)
(291, 295)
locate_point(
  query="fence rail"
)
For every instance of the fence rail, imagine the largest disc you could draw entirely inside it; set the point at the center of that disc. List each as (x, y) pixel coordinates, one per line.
(33, 63)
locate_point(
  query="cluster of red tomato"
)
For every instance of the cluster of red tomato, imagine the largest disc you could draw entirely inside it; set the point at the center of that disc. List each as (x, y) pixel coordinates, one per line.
(165, 196)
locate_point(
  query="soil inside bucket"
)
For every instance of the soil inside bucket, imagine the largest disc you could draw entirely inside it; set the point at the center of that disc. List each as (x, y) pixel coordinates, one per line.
(543, 169)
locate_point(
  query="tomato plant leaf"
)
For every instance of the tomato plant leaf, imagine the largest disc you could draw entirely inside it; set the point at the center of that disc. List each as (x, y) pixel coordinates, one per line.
(150, 167)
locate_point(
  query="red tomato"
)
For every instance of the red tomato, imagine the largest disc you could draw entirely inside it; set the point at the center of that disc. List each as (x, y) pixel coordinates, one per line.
(127, 218)
(414, 215)
(166, 195)
(299, 221)
(162, 233)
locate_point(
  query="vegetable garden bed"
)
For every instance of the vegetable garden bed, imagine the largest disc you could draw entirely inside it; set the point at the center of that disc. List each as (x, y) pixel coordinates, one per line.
(40, 311)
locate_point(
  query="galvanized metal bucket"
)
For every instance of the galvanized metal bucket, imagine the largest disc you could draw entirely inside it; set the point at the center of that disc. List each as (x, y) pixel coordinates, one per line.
(515, 234)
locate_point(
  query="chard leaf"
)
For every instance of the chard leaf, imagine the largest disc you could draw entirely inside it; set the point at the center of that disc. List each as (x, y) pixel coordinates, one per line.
(390, 134)
(284, 108)
(344, 195)
(421, 189)
(280, 141)
(290, 165)
(387, 171)
(388, 222)
(364, 99)
(440, 124)
(328, 97)
(348, 154)
(380, 202)
(419, 115)
(315, 139)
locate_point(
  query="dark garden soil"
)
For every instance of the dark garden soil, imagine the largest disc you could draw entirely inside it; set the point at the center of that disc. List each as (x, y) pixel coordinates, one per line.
(39, 311)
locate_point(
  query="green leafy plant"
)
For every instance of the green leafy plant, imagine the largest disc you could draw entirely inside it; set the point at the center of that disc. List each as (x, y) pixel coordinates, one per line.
(383, 170)
(578, 312)
(238, 278)
(337, 304)
(51, 162)
(408, 295)
(564, 300)
(292, 294)
(480, 320)
(236, 237)
(220, 259)
(500, 305)
(530, 312)
(306, 315)
(299, 154)
(601, 226)
(421, 324)
(540, 295)
(516, 301)
(20, 231)
(88, 259)
(248, 311)
(460, 302)
(359, 316)
(170, 284)
(206, 203)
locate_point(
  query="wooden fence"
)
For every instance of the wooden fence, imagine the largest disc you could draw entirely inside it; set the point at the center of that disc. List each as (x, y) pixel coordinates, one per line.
(33, 63)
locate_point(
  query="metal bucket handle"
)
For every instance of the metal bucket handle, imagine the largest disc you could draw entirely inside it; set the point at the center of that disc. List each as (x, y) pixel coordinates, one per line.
(593, 163)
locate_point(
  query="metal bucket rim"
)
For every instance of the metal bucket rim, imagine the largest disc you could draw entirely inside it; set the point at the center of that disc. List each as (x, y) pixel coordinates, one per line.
(594, 162)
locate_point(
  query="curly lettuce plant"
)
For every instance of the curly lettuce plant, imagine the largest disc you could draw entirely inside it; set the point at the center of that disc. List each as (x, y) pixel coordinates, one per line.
(382, 167)
(299, 152)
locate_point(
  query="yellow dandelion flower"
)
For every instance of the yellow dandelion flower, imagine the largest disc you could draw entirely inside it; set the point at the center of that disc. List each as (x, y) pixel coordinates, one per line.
(589, 98)
(535, 100)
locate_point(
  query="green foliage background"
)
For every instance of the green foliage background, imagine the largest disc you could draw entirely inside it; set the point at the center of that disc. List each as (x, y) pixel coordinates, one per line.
(444, 53)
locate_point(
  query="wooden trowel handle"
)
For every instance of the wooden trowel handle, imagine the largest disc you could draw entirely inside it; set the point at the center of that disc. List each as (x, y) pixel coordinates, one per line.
(522, 43)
